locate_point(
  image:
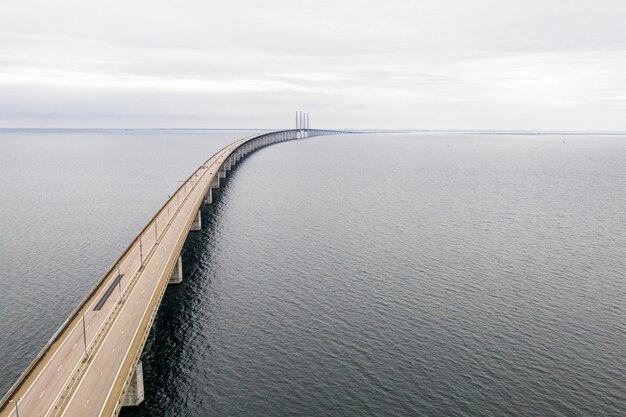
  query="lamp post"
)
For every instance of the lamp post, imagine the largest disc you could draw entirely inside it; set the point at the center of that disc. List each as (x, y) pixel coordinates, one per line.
(119, 280)
(84, 334)
(17, 402)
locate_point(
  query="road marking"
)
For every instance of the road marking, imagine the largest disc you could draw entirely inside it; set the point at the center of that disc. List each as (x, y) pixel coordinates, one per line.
(42, 392)
(145, 312)
(60, 368)
(74, 345)
(183, 211)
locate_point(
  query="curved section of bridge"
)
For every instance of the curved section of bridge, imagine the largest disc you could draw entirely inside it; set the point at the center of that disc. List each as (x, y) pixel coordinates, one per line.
(91, 366)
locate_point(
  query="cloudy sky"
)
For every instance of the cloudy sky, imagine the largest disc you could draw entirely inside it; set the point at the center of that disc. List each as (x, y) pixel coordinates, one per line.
(433, 64)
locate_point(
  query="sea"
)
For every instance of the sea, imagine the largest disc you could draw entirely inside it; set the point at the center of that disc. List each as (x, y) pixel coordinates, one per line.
(372, 274)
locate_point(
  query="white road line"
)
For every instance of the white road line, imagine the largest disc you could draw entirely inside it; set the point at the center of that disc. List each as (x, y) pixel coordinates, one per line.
(42, 392)
(145, 311)
(60, 368)
(154, 247)
(180, 233)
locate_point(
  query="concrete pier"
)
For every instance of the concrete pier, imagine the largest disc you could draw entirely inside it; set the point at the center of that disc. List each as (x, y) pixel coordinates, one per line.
(208, 197)
(177, 273)
(134, 394)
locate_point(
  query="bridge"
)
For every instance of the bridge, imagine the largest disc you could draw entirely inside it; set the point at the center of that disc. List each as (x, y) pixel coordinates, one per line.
(92, 364)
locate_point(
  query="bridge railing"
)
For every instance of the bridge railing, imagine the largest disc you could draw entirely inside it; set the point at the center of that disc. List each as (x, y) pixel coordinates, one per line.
(130, 268)
(127, 265)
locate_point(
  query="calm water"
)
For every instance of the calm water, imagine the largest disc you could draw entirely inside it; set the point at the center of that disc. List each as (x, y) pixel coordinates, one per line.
(431, 274)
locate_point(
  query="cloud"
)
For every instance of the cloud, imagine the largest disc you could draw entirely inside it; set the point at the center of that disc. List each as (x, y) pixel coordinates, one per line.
(423, 64)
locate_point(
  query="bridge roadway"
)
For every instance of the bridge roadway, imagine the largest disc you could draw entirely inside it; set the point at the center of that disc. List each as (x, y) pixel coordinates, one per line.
(89, 366)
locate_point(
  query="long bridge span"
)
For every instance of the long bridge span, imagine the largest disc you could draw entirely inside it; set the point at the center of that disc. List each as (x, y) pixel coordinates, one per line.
(92, 364)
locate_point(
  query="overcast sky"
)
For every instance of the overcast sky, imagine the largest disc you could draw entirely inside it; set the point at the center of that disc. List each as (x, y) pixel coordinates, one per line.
(449, 64)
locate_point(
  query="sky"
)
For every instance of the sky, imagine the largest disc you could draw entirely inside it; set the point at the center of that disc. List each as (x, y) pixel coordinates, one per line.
(419, 64)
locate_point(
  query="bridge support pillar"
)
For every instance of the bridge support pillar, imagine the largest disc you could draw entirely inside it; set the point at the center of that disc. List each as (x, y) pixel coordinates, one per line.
(215, 184)
(134, 395)
(208, 197)
(222, 172)
(197, 222)
(177, 273)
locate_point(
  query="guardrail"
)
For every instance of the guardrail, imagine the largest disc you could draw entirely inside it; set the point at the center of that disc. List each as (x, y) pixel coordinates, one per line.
(130, 253)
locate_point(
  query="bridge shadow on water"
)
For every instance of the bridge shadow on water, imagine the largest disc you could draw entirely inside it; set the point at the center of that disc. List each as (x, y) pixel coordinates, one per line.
(178, 326)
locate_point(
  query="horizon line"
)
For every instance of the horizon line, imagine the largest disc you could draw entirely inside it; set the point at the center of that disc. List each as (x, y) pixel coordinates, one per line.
(364, 130)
